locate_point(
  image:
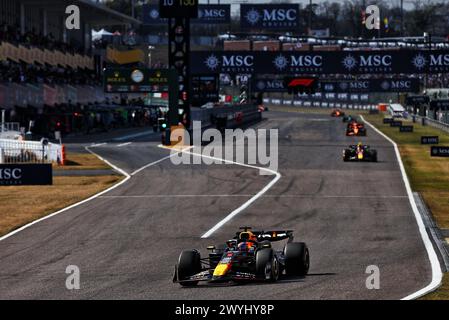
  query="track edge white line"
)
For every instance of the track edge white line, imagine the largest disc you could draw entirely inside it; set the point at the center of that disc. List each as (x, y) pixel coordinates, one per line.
(26, 226)
(437, 274)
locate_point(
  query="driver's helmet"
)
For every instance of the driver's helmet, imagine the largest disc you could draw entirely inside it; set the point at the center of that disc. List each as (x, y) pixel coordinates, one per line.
(247, 236)
(359, 145)
(246, 246)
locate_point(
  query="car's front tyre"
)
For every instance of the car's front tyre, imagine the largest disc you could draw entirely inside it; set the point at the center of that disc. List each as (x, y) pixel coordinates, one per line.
(297, 259)
(267, 266)
(189, 263)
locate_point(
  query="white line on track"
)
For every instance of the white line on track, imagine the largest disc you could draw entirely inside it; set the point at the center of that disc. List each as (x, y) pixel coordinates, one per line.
(153, 163)
(247, 203)
(135, 135)
(124, 144)
(97, 144)
(127, 177)
(437, 275)
(251, 195)
(123, 172)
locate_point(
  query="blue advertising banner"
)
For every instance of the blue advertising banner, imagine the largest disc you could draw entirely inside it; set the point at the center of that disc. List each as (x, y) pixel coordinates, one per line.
(268, 85)
(213, 14)
(320, 62)
(349, 86)
(269, 16)
(26, 174)
(207, 14)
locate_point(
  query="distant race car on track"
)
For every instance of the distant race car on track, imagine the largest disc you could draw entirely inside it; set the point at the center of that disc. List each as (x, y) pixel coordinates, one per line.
(337, 113)
(355, 128)
(246, 257)
(360, 152)
(347, 118)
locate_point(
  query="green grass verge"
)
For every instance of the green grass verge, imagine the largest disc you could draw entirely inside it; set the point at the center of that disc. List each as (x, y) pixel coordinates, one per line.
(428, 175)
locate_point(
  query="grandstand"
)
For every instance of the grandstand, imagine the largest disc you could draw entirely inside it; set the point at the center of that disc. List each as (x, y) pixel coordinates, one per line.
(50, 74)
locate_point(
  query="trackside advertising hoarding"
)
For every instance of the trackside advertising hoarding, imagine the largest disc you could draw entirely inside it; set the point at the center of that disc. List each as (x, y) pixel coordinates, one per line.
(353, 86)
(320, 62)
(207, 14)
(269, 16)
(371, 85)
(268, 85)
(26, 174)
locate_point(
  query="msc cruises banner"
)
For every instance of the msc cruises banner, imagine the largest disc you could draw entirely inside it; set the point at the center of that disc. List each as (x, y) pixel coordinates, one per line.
(210, 14)
(350, 86)
(371, 85)
(269, 16)
(320, 62)
(268, 85)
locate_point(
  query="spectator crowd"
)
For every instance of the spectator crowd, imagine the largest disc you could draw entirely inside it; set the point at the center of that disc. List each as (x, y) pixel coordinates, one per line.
(22, 72)
(32, 38)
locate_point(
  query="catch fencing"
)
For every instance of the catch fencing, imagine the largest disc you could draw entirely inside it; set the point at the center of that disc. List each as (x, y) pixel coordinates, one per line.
(16, 151)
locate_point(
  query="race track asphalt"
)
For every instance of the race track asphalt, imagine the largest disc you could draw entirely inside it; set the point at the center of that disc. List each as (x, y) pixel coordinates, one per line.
(126, 242)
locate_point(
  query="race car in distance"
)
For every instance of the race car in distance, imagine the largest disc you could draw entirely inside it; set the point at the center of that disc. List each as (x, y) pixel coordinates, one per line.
(248, 256)
(337, 113)
(360, 152)
(348, 118)
(355, 128)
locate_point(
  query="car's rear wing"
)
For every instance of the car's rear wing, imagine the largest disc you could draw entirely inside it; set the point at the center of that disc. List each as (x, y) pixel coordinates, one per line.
(275, 235)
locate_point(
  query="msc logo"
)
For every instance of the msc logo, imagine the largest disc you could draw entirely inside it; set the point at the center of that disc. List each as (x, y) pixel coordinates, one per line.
(229, 61)
(359, 85)
(275, 85)
(154, 14)
(272, 17)
(10, 174)
(253, 16)
(307, 61)
(261, 85)
(281, 62)
(211, 13)
(270, 85)
(375, 61)
(238, 61)
(279, 15)
(401, 84)
(439, 59)
(350, 62)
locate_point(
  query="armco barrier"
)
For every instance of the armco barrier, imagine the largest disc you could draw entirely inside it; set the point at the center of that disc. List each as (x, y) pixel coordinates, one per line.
(319, 104)
(16, 151)
(434, 123)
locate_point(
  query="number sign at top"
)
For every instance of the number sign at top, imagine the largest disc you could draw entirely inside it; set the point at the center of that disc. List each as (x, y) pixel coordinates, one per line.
(178, 8)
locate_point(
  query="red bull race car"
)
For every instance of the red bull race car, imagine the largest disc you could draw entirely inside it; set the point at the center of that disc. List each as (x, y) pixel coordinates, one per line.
(248, 256)
(355, 128)
(337, 113)
(360, 152)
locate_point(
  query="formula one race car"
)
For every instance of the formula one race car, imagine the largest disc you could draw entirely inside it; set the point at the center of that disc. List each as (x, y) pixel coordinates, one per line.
(360, 152)
(246, 257)
(355, 128)
(337, 113)
(348, 118)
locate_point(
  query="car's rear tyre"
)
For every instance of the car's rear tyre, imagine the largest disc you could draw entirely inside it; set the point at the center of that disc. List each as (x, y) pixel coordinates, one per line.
(267, 266)
(189, 263)
(297, 259)
(374, 156)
